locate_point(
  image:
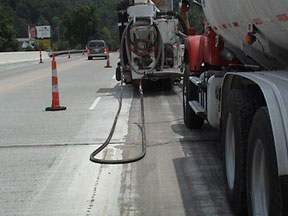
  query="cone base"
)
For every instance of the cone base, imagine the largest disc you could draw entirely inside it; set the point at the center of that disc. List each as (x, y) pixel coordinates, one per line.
(108, 66)
(55, 108)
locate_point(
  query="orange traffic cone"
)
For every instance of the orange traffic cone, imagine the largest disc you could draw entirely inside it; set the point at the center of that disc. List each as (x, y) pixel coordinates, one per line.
(55, 92)
(41, 61)
(108, 62)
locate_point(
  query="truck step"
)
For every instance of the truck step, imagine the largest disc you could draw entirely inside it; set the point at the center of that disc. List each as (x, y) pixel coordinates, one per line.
(195, 80)
(197, 108)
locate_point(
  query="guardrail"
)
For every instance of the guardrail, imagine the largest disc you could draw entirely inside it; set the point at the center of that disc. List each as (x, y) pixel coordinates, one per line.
(66, 52)
(14, 57)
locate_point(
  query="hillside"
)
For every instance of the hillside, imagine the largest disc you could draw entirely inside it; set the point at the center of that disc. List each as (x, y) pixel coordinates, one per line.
(56, 13)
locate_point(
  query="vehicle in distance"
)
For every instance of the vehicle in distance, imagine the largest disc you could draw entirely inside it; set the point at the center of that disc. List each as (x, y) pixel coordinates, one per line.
(97, 48)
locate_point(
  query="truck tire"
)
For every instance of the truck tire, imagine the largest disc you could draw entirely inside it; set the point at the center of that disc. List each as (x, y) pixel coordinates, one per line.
(118, 74)
(190, 92)
(263, 187)
(236, 120)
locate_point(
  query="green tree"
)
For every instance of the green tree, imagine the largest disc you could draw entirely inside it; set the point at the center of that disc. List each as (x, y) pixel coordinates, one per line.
(82, 25)
(21, 27)
(42, 21)
(7, 33)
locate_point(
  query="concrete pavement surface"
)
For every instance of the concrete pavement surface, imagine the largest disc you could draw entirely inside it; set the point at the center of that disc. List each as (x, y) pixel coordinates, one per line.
(44, 156)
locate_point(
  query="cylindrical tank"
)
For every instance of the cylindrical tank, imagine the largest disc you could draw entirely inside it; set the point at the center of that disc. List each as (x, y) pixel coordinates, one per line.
(231, 19)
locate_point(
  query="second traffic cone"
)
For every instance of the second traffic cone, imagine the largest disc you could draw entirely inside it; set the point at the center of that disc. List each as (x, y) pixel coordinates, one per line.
(41, 60)
(108, 62)
(55, 92)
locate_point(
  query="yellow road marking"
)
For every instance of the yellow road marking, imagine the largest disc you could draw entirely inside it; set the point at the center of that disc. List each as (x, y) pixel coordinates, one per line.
(37, 78)
(21, 75)
(23, 83)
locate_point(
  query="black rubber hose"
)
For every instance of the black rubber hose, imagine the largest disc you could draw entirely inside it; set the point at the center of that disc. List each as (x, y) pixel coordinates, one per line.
(106, 143)
(142, 128)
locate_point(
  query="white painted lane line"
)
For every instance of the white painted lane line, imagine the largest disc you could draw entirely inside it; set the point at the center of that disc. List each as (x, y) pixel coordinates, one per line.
(93, 106)
(114, 77)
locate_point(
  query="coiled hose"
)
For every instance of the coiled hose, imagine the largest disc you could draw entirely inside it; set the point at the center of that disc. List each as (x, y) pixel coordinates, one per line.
(127, 41)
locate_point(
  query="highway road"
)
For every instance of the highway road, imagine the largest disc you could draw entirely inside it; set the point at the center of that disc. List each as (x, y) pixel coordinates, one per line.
(44, 156)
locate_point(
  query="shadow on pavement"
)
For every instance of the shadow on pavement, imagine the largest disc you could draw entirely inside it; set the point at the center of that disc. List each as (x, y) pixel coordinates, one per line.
(200, 172)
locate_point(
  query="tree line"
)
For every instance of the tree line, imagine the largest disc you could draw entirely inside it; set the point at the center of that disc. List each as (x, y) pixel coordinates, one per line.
(73, 22)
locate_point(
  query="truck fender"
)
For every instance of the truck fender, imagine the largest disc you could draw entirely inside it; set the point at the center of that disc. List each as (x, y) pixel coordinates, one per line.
(274, 87)
(194, 49)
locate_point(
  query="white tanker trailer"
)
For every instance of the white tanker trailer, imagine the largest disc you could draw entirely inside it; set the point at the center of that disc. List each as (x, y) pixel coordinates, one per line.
(236, 79)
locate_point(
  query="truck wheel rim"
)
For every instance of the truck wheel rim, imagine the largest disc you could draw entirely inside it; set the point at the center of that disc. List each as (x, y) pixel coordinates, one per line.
(230, 152)
(259, 181)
